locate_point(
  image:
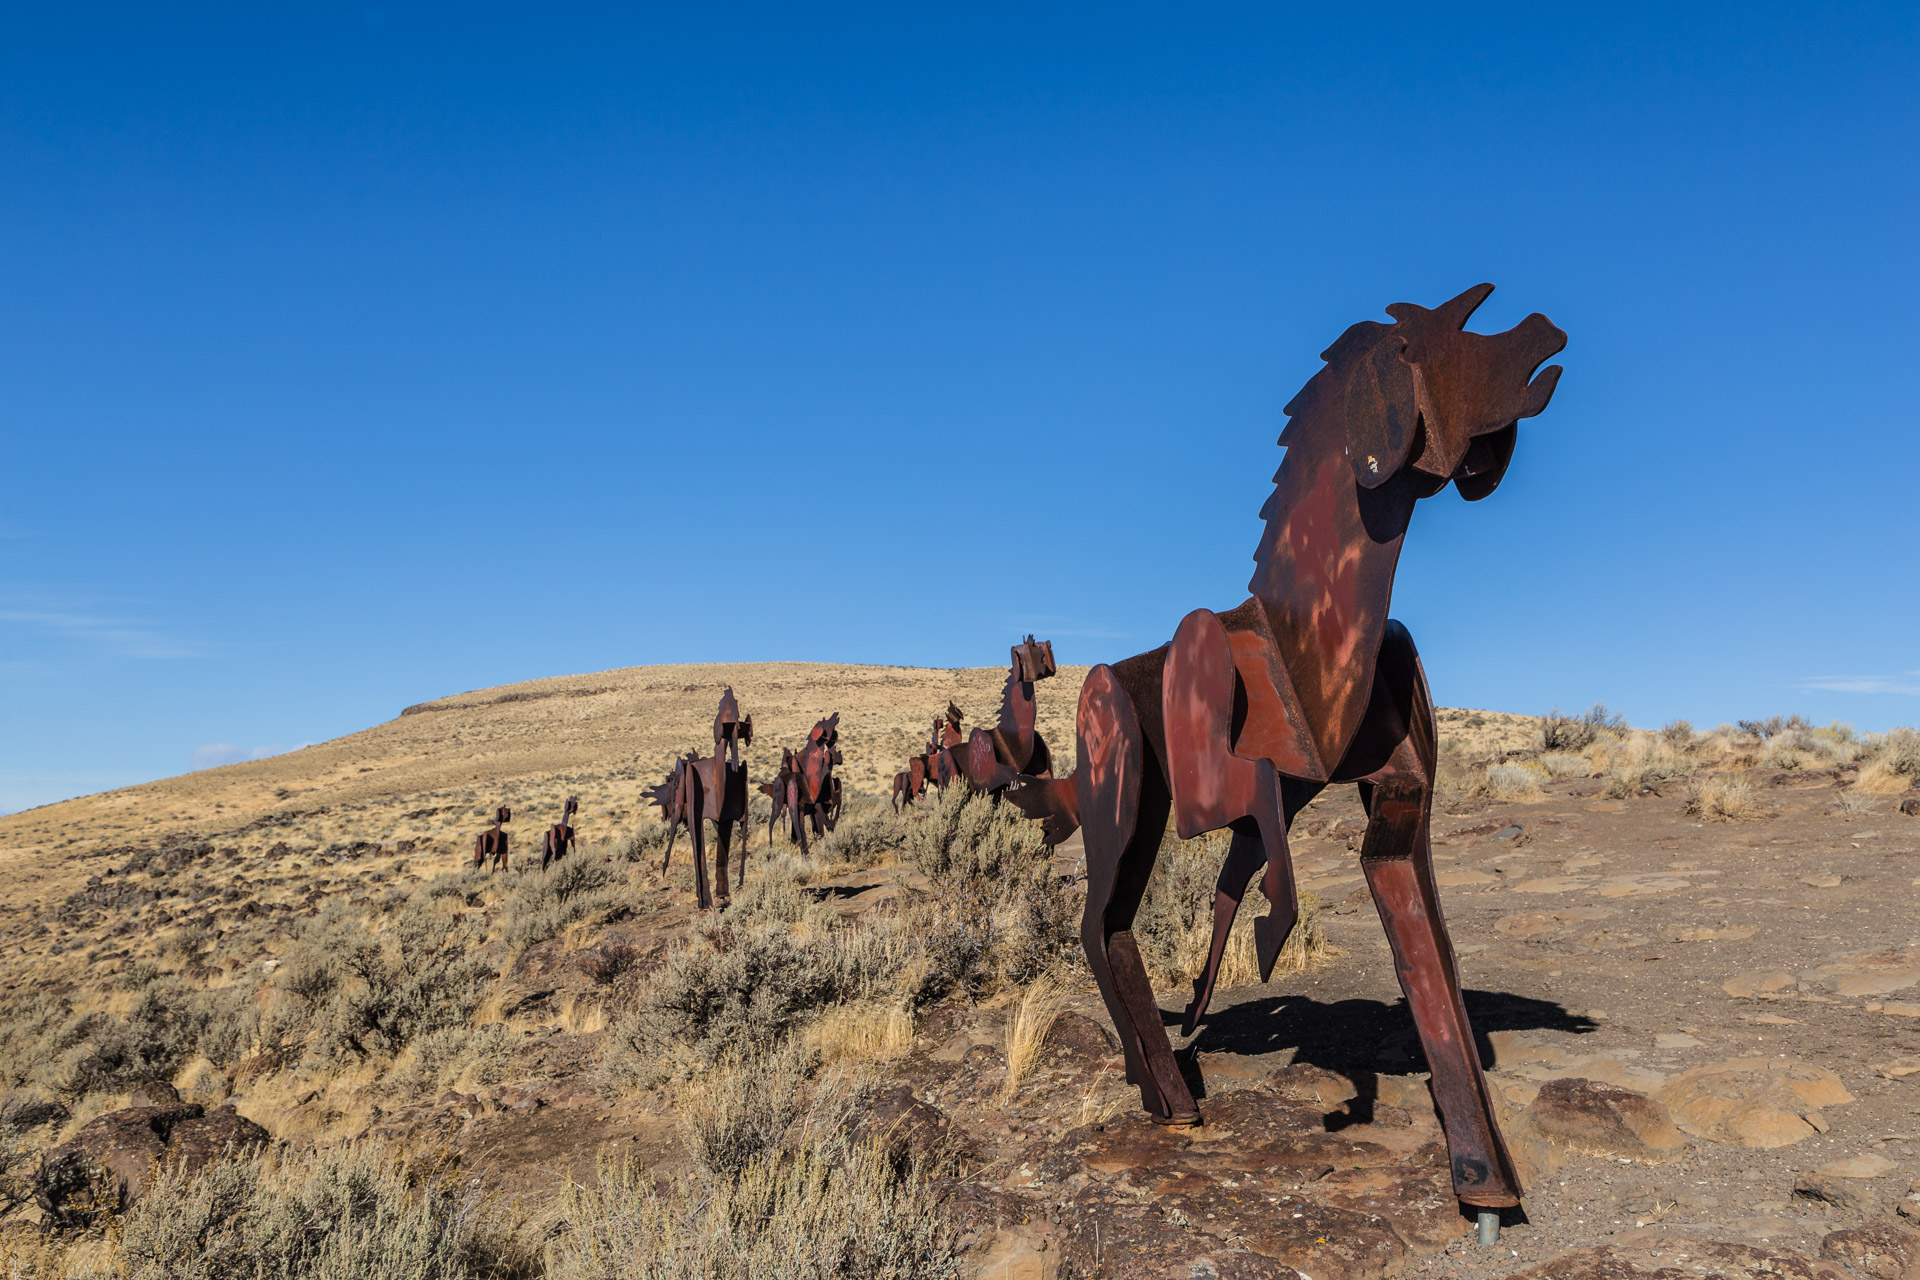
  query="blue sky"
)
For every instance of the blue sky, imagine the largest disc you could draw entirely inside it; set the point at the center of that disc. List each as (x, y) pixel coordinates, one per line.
(353, 356)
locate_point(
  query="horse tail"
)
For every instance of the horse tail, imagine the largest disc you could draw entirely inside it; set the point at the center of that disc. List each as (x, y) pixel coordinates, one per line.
(1052, 802)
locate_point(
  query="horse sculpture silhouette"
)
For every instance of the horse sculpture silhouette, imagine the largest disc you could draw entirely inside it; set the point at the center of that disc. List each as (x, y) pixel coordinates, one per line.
(1013, 748)
(1248, 714)
(493, 842)
(813, 793)
(559, 841)
(698, 791)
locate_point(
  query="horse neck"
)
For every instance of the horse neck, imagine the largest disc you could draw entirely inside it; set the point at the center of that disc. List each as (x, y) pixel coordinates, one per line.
(1324, 573)
(1017, 713)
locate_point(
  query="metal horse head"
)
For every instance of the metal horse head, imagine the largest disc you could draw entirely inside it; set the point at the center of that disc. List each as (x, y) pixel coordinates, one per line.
(1033, 659)
(1443, 402)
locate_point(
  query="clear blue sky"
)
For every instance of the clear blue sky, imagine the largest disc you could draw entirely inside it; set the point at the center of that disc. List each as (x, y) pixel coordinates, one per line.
(354, 356)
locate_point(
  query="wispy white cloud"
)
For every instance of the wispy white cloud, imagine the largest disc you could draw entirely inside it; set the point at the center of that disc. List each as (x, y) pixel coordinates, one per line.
(120, 636)
(1908, 682)
(214, 754)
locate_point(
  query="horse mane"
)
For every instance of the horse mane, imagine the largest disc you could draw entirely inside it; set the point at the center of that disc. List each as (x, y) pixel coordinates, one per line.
(1316, 420)
(663, 794)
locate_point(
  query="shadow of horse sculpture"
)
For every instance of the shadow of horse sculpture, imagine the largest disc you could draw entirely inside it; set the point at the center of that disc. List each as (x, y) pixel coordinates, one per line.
(1248, 714)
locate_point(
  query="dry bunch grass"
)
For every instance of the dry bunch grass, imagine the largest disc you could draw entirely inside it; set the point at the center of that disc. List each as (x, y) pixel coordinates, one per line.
(1040, 1005)
(1723, 798)
(1512, 782)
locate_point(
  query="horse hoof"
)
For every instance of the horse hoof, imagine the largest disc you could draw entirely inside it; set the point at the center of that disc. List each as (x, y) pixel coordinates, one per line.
(1179, 1120)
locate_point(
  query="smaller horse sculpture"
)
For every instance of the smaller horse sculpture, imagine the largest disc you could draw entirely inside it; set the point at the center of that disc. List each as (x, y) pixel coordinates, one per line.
(696, 792)
(813, 793)
(1013, 748)
(777, 791)
(731, 732)
(560, 835)
(492, 843)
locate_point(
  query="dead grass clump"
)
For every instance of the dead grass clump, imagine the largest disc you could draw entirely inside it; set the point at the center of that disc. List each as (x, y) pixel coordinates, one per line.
(575, 891)
(860, 1032)
(1854, 804)
(1174, 926)
(1027, 1032)
(1894, 765)
(1723, 798)
(1578, 732)
(1678, 733)
(1511, 782)
(1565, 764)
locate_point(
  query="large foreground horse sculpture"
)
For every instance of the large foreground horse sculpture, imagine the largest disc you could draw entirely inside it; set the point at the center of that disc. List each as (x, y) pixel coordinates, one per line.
(1248, 714)
(694, 793)
(813, 793)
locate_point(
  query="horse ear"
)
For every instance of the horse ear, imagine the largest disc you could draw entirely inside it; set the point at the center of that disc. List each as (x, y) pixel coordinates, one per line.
(1381, 413)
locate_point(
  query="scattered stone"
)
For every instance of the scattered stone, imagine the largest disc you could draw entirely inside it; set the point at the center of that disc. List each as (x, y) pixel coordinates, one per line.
(1746, 986)
(1909, 1206)
(1314, 1086)
(1676, 1040)
(1822, 882)
(1754, 1102)
(21, 1112)
(1602, 1119)
(1649, 1255)
(1867, 1166)
(1905, 1065)
(907, 1128)
(1825, 1189)
(1896, 1009)
(1911, 806)
(1882, 1250)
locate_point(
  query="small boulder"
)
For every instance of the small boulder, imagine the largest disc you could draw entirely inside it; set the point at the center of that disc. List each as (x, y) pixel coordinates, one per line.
(1603, 1119)
(909, 1130)
(154, 1093)
(1823, 1189)
(1315, 1086)
(21, 1112)
(103, 1168)
(1078, 1036)
(1882, 1250)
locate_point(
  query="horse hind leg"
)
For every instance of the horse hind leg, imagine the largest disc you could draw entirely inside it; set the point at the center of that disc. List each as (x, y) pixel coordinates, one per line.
(1123, 809)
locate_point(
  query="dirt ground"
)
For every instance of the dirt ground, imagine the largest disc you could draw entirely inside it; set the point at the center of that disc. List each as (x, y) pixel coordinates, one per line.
(1758, 981)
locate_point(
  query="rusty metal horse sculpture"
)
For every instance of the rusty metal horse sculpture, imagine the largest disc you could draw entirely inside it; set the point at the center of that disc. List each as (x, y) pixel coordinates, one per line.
(1248, 714)
(559, 841)
(1013, 748)
(813, 793)
(713, 790)
(493, 842)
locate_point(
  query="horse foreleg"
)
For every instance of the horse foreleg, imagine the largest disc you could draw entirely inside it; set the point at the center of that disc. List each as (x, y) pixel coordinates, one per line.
(1398, 861)
(1124, 811)
(722, 842)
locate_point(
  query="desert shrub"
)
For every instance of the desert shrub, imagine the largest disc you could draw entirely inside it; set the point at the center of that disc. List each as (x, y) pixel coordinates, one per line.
(1578, 732)
(1723, 798)
(738, 1112)
(831, 1210)
(27, 1027)
(1508, 781)
(572, 891)
(1893, 765)
(167, 1024)
(441, 1058)
(1642, 763)
(959, 927)
(1044, 929)
(732, 991)
(368, 994)
(1853, 804)
(648, 843)
(327, 1215)
(1773, 725)
(971, 837)
(868, 834)
(1678, 733)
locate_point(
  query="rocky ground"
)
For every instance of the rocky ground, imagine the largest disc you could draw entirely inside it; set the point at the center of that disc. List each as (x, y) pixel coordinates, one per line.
(1704, 1035)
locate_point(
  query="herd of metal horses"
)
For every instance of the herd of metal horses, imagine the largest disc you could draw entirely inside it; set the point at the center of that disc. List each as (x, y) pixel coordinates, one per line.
(1248, 713)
